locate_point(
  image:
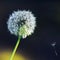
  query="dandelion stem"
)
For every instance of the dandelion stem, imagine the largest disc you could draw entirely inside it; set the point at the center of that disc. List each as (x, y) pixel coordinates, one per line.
(15, 49)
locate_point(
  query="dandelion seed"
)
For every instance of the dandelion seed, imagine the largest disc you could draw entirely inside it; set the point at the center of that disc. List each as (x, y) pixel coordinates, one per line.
(53, 45)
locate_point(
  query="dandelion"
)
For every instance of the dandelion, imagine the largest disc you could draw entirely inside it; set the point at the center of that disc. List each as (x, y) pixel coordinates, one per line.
(21, 24)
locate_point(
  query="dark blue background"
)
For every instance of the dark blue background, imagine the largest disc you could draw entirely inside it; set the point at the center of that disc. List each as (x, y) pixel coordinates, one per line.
(38, 45)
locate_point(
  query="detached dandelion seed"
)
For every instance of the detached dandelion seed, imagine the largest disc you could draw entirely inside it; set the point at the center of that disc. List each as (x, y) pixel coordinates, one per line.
(21, 24)
(53, 45)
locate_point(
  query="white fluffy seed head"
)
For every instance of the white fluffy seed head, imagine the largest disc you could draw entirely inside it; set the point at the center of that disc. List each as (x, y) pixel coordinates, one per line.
(21, 23)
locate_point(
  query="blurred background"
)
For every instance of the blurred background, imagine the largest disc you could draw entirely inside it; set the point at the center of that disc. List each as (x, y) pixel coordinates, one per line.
(38, 45)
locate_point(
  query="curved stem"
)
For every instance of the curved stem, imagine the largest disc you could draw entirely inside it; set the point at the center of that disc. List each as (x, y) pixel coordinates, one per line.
(15, 49)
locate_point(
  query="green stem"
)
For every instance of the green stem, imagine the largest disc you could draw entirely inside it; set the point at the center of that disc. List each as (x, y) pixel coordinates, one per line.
(15, 49)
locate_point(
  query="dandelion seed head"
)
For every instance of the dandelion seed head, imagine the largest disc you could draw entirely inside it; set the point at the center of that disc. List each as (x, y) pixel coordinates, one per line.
(21, 23)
